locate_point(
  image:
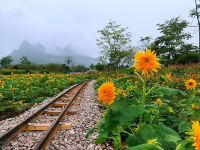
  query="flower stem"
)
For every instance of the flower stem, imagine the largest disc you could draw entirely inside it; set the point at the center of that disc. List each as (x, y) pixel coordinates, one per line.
(152, 88)
(143, 97)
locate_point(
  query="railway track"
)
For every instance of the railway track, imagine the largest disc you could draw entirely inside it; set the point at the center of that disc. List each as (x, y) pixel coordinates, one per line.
(46, 121)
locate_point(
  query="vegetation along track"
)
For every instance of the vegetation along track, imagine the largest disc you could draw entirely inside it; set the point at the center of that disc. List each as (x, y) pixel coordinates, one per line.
(42, 126)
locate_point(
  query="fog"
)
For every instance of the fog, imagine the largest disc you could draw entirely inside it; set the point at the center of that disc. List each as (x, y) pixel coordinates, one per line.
(74, 23)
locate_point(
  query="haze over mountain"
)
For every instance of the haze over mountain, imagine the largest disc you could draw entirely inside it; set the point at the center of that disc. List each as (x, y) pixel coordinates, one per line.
(38, 54)
(57, 22)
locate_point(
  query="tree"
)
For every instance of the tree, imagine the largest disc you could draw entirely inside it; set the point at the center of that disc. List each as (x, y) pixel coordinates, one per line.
(24, 61)
(91, 66)
(145, 42)
(5, 62)
(100, 67)
(79, 68)
(128, 57)
(113, 41)
(196, 13)
(171, 43)
(68, 61)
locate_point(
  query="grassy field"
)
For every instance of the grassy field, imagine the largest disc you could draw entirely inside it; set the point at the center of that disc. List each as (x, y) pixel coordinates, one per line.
(20, 91)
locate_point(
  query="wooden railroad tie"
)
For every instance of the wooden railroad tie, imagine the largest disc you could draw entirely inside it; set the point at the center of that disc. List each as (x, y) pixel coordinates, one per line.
(56, 113)
(45, 126)
(65, 99)
(59, 104)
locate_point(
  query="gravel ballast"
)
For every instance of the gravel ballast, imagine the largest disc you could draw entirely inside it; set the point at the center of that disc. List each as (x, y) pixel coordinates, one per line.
(87, 116)
(8, 123)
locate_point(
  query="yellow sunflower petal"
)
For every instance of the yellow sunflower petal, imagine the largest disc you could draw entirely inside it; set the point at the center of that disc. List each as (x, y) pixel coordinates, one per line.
(106, 93)
(146, 62)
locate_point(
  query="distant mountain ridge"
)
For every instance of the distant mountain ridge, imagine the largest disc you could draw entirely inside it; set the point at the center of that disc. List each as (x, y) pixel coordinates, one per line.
(38, 54)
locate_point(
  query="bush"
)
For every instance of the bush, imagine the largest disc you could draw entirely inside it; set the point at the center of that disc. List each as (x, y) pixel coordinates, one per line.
(12, 71)
(189, 57)
(79, 68)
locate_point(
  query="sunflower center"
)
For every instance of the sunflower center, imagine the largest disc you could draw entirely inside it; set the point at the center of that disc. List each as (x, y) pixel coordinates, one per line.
(190, 83)
(146, 60)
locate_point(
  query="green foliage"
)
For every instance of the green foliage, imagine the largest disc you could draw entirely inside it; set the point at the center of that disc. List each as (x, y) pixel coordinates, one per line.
(186, 58)
(118, 117)
(55, 68)
(171, 43)
(24, 61)
(113, 43)
(163, 136)
(79, 68)
(169, 93)
(91, 66)
(160, 121)
(5, 62)
(144, 146)
(21, 91)
(68, 61)
(145, 42)
(12, 71)
(100, 67)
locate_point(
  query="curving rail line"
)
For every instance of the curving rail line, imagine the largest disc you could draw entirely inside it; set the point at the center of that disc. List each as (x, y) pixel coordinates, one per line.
(54, 127)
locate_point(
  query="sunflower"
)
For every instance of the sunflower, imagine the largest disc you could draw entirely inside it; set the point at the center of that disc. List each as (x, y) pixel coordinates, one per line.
(159, 102)
(196, 134)
(152, 141)
(1, 84)
(146, 62)
(168, 76)
(190, 84)
(106, 93)
(121, 92)
(194, 106)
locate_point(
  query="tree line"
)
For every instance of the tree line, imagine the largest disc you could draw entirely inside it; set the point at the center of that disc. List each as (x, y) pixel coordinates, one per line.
(26, 64)
(172, 46)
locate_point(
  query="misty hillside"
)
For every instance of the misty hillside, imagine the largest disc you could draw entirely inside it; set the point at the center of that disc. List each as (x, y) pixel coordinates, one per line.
(38, 54)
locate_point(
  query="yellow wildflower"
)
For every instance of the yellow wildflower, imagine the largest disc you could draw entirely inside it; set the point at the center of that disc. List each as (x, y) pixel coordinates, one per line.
(106, 93)
(196, 134)
(146, 62)
(190, 84)
(152, 141)
(159, 102)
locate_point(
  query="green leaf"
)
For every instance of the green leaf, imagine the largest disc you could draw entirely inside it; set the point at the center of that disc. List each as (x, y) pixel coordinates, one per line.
(90, 131)
(142, 135)
(144, 147)
(172, 138)
(183, 126)
(133, 140)
(121, 113)
(145, 133)
(167, 134)
(170, 92)
(180, 147)
(124, 79)
(101, 138)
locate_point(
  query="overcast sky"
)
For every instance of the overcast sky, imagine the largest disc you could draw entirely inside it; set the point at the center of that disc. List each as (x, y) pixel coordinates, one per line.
(75, 22)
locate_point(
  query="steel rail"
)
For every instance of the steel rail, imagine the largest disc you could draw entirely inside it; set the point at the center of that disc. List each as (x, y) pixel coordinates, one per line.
(11, 133)
(46, 139)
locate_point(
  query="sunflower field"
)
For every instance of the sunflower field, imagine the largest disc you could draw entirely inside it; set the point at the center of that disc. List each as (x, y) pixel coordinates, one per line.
(149, 106)
(20, 91)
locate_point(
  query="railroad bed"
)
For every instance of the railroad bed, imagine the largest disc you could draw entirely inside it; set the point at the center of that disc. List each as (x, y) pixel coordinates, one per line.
(69, 133)
(83, 114)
